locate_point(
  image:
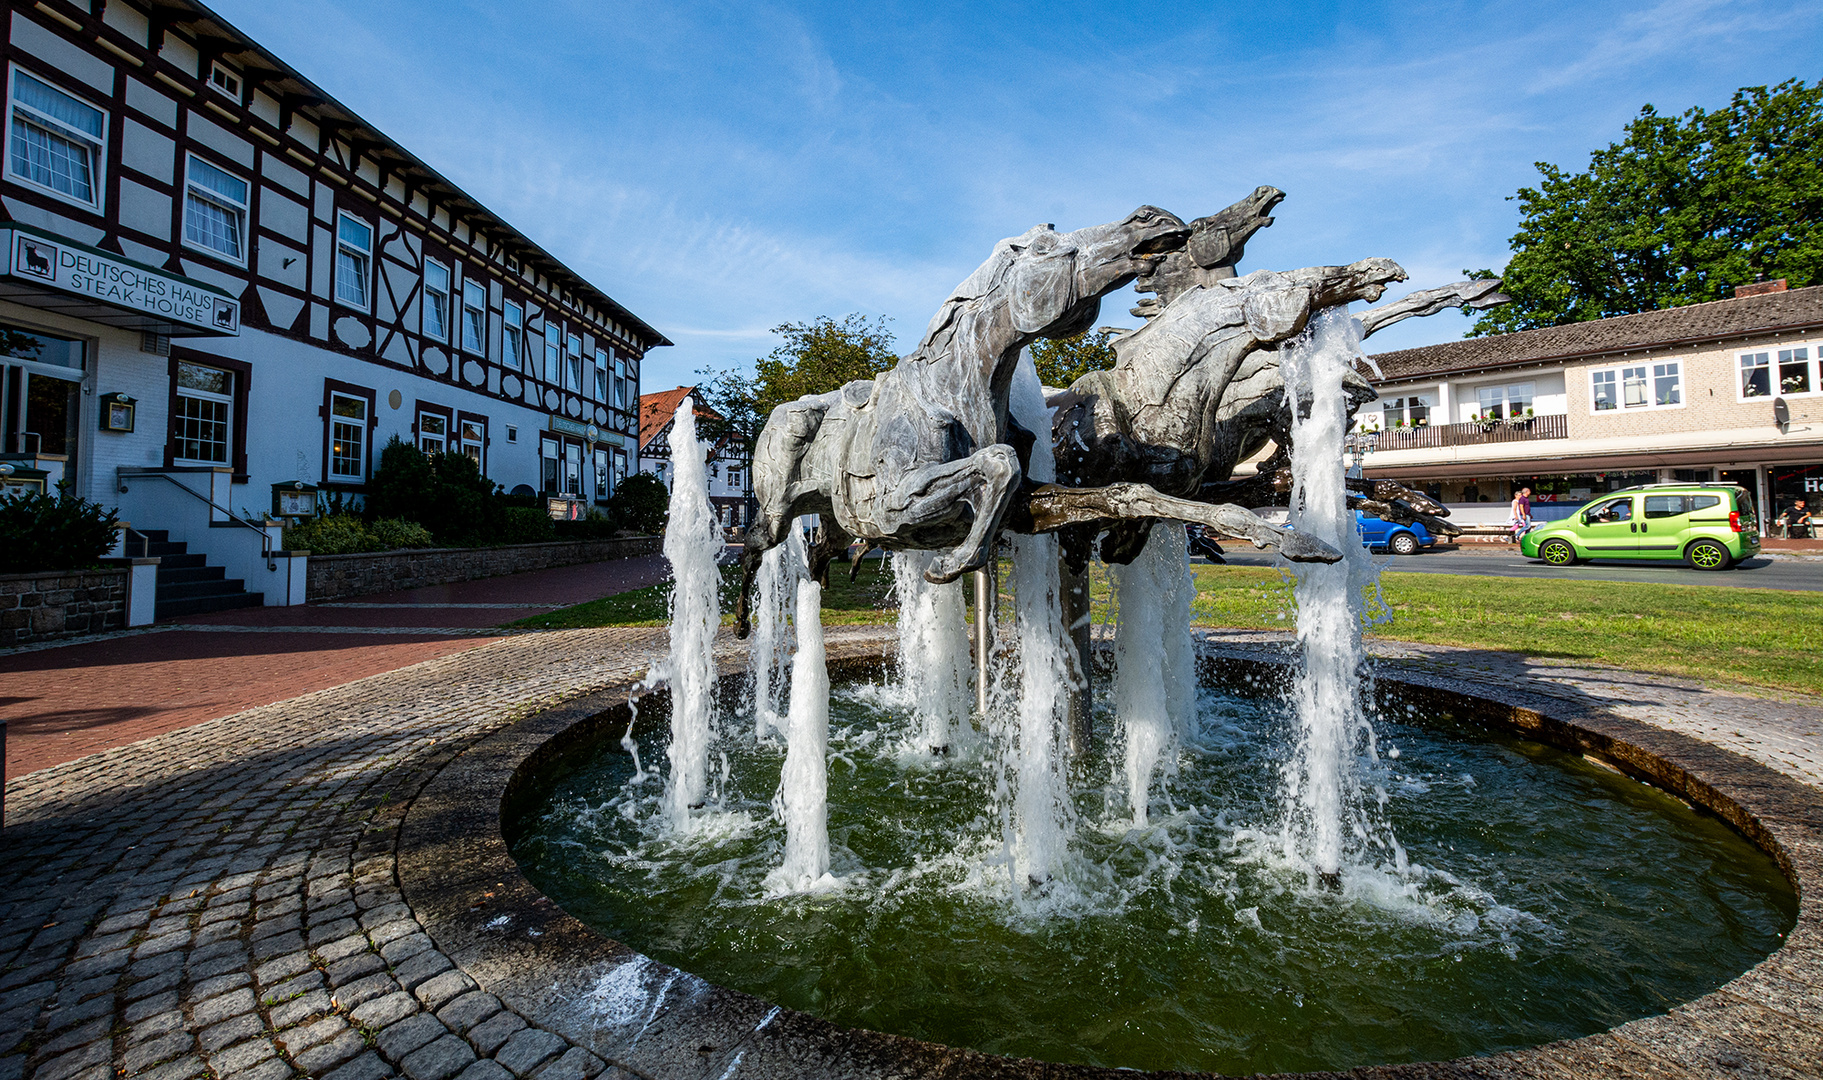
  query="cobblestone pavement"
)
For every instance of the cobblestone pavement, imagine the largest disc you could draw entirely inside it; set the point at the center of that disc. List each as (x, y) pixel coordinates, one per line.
(223, 900)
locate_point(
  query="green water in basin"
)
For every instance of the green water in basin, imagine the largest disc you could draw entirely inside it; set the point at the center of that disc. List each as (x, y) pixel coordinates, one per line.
(1546, 898)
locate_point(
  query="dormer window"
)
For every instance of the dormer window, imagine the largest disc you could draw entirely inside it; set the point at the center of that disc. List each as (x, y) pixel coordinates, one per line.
(224, 81)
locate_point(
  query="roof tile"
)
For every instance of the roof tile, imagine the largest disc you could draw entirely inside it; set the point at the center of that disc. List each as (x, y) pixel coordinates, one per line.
(1713, 321)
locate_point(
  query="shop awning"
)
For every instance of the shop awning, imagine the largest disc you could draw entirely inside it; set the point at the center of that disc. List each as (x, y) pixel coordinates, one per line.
(46, 271)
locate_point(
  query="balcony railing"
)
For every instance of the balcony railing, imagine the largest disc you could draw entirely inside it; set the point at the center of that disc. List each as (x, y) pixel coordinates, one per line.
(1476, 433)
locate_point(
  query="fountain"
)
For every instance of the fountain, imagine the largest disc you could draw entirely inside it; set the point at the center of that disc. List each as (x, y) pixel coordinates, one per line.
(1212, 873)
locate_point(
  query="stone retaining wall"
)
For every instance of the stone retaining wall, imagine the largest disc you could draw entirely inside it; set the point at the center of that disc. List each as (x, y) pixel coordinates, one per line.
(51, 604)
(335, 576)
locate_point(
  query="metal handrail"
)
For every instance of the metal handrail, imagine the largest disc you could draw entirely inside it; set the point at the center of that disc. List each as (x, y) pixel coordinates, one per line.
(265, 537)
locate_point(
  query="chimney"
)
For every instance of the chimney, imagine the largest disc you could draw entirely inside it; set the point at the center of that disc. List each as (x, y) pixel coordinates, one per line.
(1759, 288)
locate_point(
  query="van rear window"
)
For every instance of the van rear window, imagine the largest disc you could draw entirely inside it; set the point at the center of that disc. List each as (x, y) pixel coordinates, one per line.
(1704, 502)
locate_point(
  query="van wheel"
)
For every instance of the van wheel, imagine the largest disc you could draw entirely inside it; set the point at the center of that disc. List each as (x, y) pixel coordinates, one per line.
(1557, 553)
(1708, 555)
(1403, 544)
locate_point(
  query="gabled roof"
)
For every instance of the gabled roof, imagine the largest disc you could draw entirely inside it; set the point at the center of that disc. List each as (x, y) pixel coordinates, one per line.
(1718, 320)
(656, 411)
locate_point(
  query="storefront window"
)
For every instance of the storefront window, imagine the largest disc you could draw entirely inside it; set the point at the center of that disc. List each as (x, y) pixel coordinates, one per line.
(1789, 483)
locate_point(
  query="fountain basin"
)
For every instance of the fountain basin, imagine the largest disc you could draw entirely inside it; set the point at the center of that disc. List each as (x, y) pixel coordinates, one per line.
(466, 888)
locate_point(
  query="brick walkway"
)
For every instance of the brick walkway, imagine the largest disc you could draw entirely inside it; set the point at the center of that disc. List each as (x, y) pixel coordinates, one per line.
(222, 900)
(66, 701)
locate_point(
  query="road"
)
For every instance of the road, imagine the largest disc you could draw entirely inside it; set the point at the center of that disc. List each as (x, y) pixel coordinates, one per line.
(1756, 573)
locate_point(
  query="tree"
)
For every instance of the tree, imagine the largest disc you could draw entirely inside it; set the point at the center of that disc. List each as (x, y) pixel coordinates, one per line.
(732, 396)
(815, 358)
(819, 356)
(1063, 361)
(1678, 212)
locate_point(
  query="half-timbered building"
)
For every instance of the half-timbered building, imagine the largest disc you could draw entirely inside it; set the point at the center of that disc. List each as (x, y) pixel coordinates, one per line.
(218, 277)
(729, 465)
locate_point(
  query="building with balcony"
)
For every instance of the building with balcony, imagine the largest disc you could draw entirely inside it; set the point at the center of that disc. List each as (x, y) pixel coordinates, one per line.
(1727, 391)
(219, 282)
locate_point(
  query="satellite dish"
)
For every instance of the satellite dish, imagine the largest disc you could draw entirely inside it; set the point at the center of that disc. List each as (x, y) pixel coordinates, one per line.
(1781, 413)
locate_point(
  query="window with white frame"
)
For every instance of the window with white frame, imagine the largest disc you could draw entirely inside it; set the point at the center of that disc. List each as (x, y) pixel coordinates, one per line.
(1510, 402)
(1794, 371)
(1412, 410)
(620, 383)
(573, 356)
(224, 81)
(472, 437)
(601, 374)
(347, 437)
(603, 474)
(553, 352)
(1637, 386)
(550, 454)
(436, 300)
(512, 337)
(474, 316)
(433, 432)
(202, 431)
(1756, 374)
(215, 210)
(353, 260)
(56, 140)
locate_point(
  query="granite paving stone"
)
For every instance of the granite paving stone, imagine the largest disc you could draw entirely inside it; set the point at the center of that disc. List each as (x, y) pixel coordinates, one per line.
(438, 1060)
(228, 895)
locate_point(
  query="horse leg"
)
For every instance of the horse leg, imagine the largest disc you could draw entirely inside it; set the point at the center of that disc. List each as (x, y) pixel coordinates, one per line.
(986, 481)
(1054, 507)
(758, 540)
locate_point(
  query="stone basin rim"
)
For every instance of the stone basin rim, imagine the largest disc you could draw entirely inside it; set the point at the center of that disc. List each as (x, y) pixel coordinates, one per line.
(481, 911)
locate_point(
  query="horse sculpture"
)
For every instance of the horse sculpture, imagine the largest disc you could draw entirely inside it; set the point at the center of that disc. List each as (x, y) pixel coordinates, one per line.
(924, 456)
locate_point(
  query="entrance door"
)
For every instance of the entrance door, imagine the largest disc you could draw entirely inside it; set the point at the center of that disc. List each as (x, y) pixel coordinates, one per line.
(1609, 528)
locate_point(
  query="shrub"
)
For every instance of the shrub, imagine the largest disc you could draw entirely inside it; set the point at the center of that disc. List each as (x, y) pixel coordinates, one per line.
(526, 525)
(337, 534)
(445, 493)
(398, 533)
(641, 504)
(61, 532)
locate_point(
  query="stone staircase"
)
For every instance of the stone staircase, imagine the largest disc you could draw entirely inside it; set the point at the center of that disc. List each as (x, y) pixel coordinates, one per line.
(188, 585)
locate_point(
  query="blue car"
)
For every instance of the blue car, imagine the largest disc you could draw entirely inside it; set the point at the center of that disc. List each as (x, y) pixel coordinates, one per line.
(1399, 539)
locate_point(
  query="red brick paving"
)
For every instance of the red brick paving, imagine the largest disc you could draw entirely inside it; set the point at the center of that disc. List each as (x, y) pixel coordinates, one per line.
(65, 702)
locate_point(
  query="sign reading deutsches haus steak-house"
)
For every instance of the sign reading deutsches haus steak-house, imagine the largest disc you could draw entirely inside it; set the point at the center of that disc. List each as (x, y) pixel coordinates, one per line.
(108, 279)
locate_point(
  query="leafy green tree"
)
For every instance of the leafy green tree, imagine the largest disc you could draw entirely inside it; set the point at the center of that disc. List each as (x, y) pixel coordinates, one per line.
(733, 396)
(1679, 212)
(1063, 361)
(641, 504)
(819, 356)
(815, 358)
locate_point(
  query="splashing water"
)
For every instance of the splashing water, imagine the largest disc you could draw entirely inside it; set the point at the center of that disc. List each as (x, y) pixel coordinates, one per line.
(692, 543)
(1155, 660)
(777, 580)
(803, 798)
(1323, 810)
(933, 668)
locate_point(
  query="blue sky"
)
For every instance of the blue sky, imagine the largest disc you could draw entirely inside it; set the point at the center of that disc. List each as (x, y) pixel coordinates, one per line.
(724, 167)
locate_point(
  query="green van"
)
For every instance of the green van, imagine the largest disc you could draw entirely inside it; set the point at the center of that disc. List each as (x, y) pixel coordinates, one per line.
(1712, 525)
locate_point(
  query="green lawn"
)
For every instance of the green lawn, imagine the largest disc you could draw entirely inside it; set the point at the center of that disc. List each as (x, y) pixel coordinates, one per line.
(1748, 637)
